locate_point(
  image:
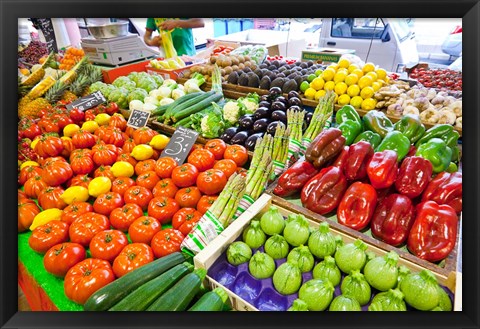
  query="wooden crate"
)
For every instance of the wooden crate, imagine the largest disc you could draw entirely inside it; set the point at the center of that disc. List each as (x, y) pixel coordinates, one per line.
(207, 257)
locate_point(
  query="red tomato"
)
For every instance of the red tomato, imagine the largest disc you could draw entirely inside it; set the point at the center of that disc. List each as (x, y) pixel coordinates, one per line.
(77, 116)
(84, 228)
(195, 147)
(217, 147)
(144, 166)
(57, 173)
(49, 146)
(107, 202)
(49, 125)
(31, 130)
(165, 187)
(29, 172)
(62, 120)
(112, 135)
(164, 167)
(205, 202)
(67, 147)
(132, 257)
(128, 145)
(81, 165)
(237, 153)
(188, 197)
(62, 257)
(138, 195)
(86, 277)
(242, 171)
(46, 236)
(143, 229)
(26, 213)
(75, 210)
(228, 166)
(211, 181)
(113, 108)
(79, 180)
(104, 171)
(50, 198)
(80, 152)
(148, 180)
(185, 175)
(185, 220)
(143, 135)
(34, 186)
(104, 154)
(127, 158)
(163, 209)
(83, 139)
(122, 184)
(122, 218)
(107, 245)
(202, 159)
(166, 242)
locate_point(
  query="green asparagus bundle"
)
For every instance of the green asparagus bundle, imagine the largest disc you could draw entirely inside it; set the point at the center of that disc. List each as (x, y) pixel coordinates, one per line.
(259, 177)
(280, 150)
(295, 123)
(263, 146)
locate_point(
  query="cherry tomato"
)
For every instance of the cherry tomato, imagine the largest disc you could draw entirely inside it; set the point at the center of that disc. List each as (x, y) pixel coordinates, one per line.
(165, 187)
(166, 242)
(228, 166)
(185, 175)
(188, 197)
(107, 245)
(62, 257)
(138, 195)
(202, 159)
(132, 257)
(143, 229)
(122, 218)
(46, 236)
(211, 181)
(237, 153)
(163, 209)
(217, 147)
(185, 220)
(164, 167)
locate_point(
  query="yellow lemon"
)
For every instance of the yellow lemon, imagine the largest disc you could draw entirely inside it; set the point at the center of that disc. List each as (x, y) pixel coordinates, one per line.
(99, 185)
(351, 79)
(342, 70)
(339, 77)
(329, 85)
(46, 216)
(328, 74)
(142, 152)
(103, 119)
(159, 142)
(381, 73)
(70, 129)
(358, 73)
(75, 193)
(310, 93)
(317, 83)
(367, 92)
(345, 63)
(341, 88)
(29, 164)
(368, 104)
(34, 142)
(368, 67)
(90, 126)
(356, 102)
(319, 94)
(353, 90)
(376, 85)
(333, 67)
(373, 75)
(352, 67)
(122, 169)
(343, 100)
(365, 81)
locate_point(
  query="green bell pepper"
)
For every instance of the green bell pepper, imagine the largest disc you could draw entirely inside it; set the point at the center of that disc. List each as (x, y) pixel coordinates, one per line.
(350, 129)
(411, 126)
(452, 167)
(395, 141)
(444, 132)
(377, 122)
(347, 112)
(437, 152)
(369, 136)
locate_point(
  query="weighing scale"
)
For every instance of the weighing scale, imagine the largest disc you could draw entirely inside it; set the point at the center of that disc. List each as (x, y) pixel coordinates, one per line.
(117, 51)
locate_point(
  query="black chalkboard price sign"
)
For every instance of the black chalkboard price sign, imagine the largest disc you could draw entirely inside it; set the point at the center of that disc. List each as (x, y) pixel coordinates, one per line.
(138, 118)
(88, 101)
(46, 26)
(180, 144)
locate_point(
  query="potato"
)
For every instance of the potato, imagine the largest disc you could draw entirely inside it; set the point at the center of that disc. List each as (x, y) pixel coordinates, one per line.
(236, 67)
(213, 59)
(241, 66)
(235, 60)
(241, 58)
(228, 70)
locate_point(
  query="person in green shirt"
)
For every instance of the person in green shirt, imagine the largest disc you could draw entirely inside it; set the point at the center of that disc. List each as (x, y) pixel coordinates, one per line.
(182, 35)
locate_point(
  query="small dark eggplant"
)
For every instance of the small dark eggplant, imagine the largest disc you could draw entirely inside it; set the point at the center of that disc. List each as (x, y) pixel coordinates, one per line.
(308, 117)
(295, 101)
(261, 125)
(261, 112)
(246, 121)
(265, 98)
(239, 138)
(272, 126)
(264, 104)
(252, 140)
(275, 91)
(292, 94)
(281, 99)
(279, 116)
(295, 108)
(278, 106)
(229, 133)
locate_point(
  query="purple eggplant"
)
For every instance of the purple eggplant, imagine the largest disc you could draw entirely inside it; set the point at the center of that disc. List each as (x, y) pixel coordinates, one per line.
(229, 133)
(239, 138)
(295, 108)
(295, 101)
(261, 125)
(279, 116)
(275, 91)
(246, 121)
(264, 104)
(252, 140)
(281, 99)
(261, 113)
(278, 106)
(292, 94)
(272, 126)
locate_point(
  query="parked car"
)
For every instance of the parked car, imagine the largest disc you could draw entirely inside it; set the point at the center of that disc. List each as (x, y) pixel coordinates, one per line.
(453, 42)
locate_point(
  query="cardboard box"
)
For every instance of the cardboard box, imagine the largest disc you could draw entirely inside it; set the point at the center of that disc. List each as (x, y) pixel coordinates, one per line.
(325, 55)
(111, 73)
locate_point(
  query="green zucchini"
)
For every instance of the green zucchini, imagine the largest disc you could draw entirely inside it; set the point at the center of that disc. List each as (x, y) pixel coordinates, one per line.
(147, 293)
(160, 110)
(175, 109)
(181, 294)
(212, 301)
(196, 107)
(185, 122)
(113, 292)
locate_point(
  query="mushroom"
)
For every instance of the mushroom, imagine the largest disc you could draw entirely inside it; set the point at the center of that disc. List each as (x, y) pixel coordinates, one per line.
(456, 108)
(446, 117)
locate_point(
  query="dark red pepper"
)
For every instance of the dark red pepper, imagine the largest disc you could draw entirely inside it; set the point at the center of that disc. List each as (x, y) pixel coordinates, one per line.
(359, 155)
(325, 147)
(295, 178)
(382, 169)
(323, 192)
(413, 177)
(434, 231)
(357, 206)
(445, 188)
(411, 151)
(341, 159)
(393, 219)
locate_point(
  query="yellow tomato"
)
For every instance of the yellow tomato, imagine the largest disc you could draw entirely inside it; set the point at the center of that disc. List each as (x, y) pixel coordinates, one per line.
(99, 185)
(142, 152)
(75, 193)
(90, 126)
(122, 169)
(70, 129)
(46, 216)
(102, 119)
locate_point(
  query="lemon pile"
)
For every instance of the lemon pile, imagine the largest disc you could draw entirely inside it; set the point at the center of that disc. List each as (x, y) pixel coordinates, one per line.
(351, 84)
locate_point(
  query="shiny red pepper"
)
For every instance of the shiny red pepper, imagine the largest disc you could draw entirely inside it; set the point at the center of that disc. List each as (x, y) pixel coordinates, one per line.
(357, 206)
(393, 219)
(295, 178)
(413, 177)
(445, 188)
(359, 154)
(323, 192)
(382, 169)
(325, 147)
(341, 159)
(411, 151)
(434, 231)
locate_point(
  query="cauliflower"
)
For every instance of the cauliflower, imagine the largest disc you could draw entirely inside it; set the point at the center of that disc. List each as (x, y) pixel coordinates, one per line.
(251, 102)
(232, 111)
(211, 124)
(135, 105)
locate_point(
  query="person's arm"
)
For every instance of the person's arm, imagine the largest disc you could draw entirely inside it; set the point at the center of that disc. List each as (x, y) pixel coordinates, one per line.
(155, 41)
(191, 23)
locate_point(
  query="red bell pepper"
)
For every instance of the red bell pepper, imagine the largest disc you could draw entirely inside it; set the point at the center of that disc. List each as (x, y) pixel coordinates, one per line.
(393, 219)
(382, 169)
(295, 178)
(323, 192)
(445, 188)
(434, 231)
(357, 206)
(341, 159)
(325, 147)
(411, 151)
(413, 177)
(359, 154)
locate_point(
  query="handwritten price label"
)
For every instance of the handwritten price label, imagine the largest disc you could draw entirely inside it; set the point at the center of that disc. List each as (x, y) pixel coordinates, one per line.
(88, 101)
(138, 119)
(180, 144)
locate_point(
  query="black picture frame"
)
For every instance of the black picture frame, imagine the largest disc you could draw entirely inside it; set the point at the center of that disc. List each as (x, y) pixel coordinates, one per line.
(11, 10)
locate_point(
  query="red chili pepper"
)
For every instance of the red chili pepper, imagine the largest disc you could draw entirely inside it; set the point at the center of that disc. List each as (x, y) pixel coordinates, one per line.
(323, 192)
(382, 169)
(325, 147)
(434, 231)
(295, 178)
(393, 219)
(359, 155)
(445, 188)
(357, 206)
(341, 159)
(413, 177)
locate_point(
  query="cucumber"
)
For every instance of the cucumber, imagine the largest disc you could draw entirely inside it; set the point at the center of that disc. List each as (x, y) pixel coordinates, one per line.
(185, 122)
(175, 109)
(212, 301)
(181, 294)
(113, 292)
(147, 293)
(177, 102)
(196, 107)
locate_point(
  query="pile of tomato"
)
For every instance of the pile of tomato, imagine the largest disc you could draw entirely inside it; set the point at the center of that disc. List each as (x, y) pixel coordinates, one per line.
(443, 79)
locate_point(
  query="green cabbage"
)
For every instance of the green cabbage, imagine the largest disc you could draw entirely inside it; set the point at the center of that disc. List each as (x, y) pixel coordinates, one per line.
(272, 221)
(238, 253)
(351, 256)
(382, 272)
(391, 300)
(146, 83)
(276, 246)
(253, 235)
(327, 270)
(287, 279)
(317, 293)
(124, 82)
(303, 257)
(297, 230)
(344, 303)
(322, 241)
(96, 86)
(420, 290)
(298, 305)
(119, 96)
(261, 265)
(138, 94)
(356, 286)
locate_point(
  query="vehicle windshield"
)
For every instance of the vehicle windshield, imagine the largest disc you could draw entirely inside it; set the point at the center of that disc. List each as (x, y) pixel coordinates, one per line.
(401, 28)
